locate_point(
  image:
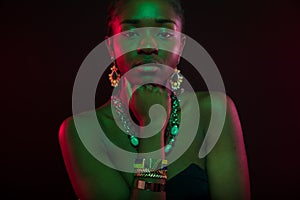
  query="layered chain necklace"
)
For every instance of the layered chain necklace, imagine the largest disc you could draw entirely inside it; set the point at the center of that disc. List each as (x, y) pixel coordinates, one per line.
(172, 128)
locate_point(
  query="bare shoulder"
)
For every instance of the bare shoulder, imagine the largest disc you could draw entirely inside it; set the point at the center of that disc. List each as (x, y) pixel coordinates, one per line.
(217, 99)
(217, 114)
(87, 121)
(225, 145)
(210, 101)
(224, 149)
(66, 129)
(89, 171)
(69, 127)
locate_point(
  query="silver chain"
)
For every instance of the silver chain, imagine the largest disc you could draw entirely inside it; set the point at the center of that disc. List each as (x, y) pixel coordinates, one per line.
(172, 128)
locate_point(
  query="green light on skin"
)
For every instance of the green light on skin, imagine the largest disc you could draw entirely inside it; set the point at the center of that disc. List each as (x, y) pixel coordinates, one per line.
(148, 10)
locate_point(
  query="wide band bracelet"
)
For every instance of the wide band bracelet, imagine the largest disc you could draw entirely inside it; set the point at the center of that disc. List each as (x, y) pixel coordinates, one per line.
(149, 186)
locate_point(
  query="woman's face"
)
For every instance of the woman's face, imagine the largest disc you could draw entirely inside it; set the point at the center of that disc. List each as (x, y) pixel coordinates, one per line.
(147, 43)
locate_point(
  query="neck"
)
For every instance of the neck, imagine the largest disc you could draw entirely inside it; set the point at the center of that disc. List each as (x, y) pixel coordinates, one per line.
(124, 92)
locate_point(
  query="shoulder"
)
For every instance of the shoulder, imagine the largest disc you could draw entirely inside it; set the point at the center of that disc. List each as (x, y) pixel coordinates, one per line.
(83, 122)
(219, 100)
(87, 160)
(221, 122)
(218, 117)
(224, 147)
(216, 104)
(66, 128)
(209, 102)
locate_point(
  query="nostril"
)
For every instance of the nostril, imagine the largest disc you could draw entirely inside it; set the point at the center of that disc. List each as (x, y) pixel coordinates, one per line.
(147, 51)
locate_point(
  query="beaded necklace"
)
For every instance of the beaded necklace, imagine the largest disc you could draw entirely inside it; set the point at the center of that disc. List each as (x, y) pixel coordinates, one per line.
(171, 129)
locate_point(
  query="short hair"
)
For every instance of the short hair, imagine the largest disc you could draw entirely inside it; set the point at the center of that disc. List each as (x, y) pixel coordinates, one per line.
(115, 4)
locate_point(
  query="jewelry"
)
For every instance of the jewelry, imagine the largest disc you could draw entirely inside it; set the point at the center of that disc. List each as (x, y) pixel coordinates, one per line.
(132, 135)
(171, 130)
(151, 175)
(176, 79)
(154, 187)
(150, 164)
(114, 76)
(151, 168)
(148, 171)
(173, 125)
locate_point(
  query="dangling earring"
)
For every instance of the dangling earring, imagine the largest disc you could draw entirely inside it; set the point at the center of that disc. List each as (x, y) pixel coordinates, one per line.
(176, 79)
(114, 76)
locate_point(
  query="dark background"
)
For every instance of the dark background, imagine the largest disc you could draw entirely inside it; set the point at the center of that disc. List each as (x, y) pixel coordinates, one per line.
(255, 44)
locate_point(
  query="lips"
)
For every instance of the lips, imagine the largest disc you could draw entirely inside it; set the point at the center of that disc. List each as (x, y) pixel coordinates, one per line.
(149, 62)
(146, 66)
(147, 69)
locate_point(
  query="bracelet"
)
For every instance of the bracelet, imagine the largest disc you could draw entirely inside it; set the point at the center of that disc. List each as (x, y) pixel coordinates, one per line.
(151, 164)
(151, 168)
(161, 174)
(151, 175)
(149, 186)
(146, 171)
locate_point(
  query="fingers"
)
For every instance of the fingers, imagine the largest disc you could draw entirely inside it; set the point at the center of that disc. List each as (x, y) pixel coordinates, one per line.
(154, 88)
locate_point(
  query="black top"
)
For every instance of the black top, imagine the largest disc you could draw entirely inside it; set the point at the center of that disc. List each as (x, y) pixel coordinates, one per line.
(191, 183)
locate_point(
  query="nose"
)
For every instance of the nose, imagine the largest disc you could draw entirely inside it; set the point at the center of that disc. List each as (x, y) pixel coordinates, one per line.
(147, 51)
(148, 46)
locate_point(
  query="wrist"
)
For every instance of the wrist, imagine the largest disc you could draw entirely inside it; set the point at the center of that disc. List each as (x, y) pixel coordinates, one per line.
(154, 143)
(149, 168)
(149, 185)
(150, 140)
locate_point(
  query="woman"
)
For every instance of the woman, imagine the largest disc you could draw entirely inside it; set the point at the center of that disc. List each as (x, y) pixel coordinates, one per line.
(222, 174)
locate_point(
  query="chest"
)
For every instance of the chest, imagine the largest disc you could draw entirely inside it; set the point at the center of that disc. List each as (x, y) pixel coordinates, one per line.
(179, 158)
(184, 153)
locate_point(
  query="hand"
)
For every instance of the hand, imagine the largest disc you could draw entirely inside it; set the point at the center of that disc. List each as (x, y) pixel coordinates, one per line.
(144, 98)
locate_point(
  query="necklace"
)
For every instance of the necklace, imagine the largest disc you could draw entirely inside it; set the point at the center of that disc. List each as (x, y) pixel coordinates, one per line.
(172, 128)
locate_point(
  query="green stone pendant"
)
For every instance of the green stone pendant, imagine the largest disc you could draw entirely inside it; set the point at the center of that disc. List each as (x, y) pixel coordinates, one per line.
(174, 130)
(134, 141)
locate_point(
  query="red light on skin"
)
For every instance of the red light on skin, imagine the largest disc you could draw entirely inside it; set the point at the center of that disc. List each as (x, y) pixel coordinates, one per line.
(140, 14)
